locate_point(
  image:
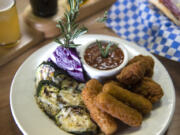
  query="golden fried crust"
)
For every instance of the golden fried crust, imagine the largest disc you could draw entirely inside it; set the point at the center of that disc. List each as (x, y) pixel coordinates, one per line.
(95, 86)
(107, 123)
(132, 99)
(149, 89)
(149, 63)
(132, 73)
(119, 110)
(142, 57)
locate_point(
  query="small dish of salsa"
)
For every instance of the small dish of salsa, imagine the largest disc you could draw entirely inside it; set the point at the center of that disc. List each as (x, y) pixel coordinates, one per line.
(99, 66)
(94, 58)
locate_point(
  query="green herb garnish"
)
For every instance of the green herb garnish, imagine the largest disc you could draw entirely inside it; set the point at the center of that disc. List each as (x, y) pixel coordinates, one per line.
(69, 28)
(104, 51)
(104, 18)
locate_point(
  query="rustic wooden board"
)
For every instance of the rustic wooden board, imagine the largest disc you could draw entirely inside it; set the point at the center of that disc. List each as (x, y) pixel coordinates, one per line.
(34, 29)
(29, 38)
(48, 25)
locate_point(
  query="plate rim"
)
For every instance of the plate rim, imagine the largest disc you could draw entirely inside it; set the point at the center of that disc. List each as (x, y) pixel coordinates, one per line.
(99, 36)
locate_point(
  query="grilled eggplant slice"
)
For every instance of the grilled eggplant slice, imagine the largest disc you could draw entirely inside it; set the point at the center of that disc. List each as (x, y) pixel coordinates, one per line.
(70, 97)
(49, 71)
(46, 97)
(76, 120)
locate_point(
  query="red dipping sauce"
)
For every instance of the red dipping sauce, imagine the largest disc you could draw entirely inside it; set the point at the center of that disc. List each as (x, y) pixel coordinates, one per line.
(93, 56)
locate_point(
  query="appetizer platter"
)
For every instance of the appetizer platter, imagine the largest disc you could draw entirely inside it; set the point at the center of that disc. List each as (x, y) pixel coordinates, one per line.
(91, 85)
(31, 120)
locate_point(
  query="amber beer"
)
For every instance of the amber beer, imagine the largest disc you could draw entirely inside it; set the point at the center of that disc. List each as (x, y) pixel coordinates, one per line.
(9, 25)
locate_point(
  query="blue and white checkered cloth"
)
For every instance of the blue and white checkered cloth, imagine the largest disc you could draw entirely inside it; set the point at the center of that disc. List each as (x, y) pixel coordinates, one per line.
(141, 22)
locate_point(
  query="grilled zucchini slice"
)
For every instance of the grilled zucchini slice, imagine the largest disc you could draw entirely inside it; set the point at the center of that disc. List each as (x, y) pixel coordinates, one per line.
(48, 107)
(49, 71)
(70, 97)
(76, 120)
(46, 97)
(80, 87)
(69, 84)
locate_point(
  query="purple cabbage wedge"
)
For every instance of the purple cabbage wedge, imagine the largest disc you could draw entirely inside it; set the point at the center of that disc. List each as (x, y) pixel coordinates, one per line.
(68, 59)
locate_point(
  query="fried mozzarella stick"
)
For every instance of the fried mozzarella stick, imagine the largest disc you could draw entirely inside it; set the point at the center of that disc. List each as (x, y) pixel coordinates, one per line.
(119, 110)
(149, 63)
(132, 73)
(149, 89)
(134, 100)
(107, 123)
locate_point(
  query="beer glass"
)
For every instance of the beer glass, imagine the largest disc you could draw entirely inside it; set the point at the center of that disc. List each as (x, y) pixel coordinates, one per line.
(9, 25)
(44, 8)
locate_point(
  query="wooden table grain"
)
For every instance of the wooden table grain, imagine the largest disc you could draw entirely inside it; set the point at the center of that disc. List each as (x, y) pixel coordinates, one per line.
(7, 72)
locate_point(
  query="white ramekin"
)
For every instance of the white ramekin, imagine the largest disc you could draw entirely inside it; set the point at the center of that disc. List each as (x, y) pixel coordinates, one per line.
(102, 74)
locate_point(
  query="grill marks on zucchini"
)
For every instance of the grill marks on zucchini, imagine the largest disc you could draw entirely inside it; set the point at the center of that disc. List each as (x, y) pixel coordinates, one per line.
(49, 71)
(47, 97)
(76, 120)
(70, 97)
(59, 96)
(69, 84)
(48, 107)
(47, 83)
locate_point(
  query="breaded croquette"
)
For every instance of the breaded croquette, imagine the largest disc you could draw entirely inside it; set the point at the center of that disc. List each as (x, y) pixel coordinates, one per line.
(149, 63)
(107, 123)
(132, 99)
(119, 110)
(94, 85)
(149, 89)
(136, 69)
(132, 73)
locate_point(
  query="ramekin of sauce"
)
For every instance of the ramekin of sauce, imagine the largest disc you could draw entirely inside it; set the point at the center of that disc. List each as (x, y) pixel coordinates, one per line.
(100, 67)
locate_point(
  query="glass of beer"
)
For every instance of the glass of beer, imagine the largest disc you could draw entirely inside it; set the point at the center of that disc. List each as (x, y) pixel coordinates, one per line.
(9, 25)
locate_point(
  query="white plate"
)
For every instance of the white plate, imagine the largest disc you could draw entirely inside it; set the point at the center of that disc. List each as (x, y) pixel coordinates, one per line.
(32, 121)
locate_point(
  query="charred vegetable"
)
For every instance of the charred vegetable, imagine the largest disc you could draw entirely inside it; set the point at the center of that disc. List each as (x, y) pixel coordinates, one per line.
(69, 84)
(70, 97)
(49, 71)
(46, 97)
(76, 120)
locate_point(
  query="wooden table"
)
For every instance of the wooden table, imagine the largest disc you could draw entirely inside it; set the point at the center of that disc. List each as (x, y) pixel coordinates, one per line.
(7, 72)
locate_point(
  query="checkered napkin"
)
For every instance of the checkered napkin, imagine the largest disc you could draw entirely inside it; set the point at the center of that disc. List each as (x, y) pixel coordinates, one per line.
(140, 22)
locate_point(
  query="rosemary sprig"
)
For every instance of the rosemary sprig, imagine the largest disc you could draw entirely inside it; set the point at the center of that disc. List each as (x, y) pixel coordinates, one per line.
(104, 51)
(69, 28)
(104, 18)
